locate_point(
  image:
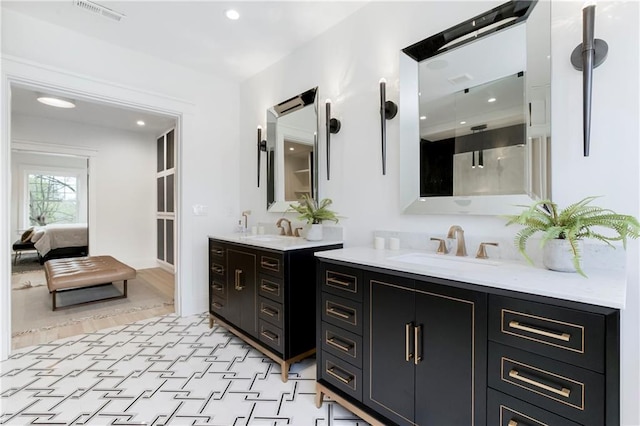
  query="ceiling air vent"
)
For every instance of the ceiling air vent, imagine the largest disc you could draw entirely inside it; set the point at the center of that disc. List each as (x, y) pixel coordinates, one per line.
(98, 9)
(462, 78)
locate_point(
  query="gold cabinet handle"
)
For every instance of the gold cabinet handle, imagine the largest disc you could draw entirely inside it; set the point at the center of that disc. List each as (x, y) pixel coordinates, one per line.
(562, 392)
(338, 344)
(564, 336)
(218, 252)
(407, 341)
(267, 264)
(217, 269)
(217, 287)
(269, 311)
(216, 305)
(417, 331)
(339, 282)
(338, 313)
(267, 287)
(346, 381)
(269, 335)
(512, 423)
(237, 285)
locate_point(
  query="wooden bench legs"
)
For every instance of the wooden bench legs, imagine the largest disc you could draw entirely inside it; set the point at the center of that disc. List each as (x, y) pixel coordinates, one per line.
(57, 308)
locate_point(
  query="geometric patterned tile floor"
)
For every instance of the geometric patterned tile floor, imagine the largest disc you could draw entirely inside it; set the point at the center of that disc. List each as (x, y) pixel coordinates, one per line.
(166, 370)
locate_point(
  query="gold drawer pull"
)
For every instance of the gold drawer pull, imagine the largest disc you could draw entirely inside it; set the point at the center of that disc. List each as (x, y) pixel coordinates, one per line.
(218, 252)
(217, 287)
(216, 305)
(346, 381)
(267, 287)
(269, 335)
(269, 311)
(338, 313)
(564, 336)
(238, 286)
(562, 392)
(267, 264)
(512, 423)
(339, 344)
(217, 269)
(407, 341)
(339, 282)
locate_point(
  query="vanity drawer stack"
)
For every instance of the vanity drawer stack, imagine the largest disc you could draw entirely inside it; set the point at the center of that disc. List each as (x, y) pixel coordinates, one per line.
(552, 365)
(217, 277)
(339, 328)
(271, 290)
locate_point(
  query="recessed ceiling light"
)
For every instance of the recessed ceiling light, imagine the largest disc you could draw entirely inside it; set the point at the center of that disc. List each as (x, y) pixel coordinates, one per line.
(463, 122)
(491, 100)
(423, 117)
(56, 102)
(140, 123)
(232, 14)
(291, 149)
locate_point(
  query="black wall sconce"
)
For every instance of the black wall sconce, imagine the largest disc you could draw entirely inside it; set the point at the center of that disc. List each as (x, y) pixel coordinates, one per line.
(388, 110)
(262, 147)
(585, 57)
(333, 126)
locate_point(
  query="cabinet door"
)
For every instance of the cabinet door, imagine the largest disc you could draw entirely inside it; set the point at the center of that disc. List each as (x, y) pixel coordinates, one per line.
(450, 356)
(241, 285)
(389, 347)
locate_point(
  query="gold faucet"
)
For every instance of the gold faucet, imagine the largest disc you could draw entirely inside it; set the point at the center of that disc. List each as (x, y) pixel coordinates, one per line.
(286, 232)
(482, 251)
(246, 214)
(442, 246)
(457, 232)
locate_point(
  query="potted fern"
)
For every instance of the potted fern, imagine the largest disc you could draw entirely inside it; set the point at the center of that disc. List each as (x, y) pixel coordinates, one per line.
(563, 231)
(314, 212)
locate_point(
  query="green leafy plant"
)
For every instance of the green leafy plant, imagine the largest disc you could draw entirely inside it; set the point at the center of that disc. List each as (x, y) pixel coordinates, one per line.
(313, 211)
(573, 223)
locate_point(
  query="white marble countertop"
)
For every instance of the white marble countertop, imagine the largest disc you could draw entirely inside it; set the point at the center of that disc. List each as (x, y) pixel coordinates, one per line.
(603, 287)
(274, 242)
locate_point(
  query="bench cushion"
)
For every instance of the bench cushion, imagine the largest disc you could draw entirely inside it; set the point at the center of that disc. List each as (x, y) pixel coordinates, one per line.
(85, 271)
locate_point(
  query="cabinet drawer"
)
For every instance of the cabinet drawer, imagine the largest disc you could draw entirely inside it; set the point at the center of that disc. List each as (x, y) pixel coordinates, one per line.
(271, 311)
(270, 264)
(272, 288)
(271, 335)
(342, 375)
(564, 389)
(503, 410)
(342, 281)
(217, 305)
(341, 343)
(217, 252)
(342, 312)
(217, 288)
(217, 271)
(568, 335)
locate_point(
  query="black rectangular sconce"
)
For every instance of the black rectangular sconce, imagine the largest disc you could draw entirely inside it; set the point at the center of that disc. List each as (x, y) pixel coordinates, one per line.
(388, 110)
(333, 126)
(585, 57)
(262, 147)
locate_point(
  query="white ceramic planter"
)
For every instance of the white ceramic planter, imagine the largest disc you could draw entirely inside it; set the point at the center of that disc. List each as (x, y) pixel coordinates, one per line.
(558, 256)
(314, 232)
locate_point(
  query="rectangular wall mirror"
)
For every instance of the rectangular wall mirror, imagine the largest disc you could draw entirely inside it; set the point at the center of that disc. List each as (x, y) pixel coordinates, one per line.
(292, 147)
(475, 114)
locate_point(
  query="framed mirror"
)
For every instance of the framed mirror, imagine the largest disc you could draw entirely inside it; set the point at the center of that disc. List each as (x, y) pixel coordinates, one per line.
(475, 100)
(292, 147)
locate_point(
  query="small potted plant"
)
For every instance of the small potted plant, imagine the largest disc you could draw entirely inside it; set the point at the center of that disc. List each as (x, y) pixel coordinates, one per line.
(564, 230)
(314, 213)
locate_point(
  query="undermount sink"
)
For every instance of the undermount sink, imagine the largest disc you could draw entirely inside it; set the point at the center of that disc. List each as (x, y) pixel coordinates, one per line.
(428, 259)
(265, 238)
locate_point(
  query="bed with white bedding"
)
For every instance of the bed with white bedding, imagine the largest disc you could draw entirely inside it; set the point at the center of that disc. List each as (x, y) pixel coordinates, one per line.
(61, 240)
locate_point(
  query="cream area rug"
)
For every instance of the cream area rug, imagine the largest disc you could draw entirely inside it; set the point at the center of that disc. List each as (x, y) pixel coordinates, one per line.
(31, 303)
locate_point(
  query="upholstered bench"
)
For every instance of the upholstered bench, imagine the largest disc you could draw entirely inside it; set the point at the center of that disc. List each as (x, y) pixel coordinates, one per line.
(82, 272)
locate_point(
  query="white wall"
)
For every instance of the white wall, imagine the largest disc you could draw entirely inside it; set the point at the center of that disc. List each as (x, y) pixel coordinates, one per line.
(38, 53)
(347, 62)
(123, 177)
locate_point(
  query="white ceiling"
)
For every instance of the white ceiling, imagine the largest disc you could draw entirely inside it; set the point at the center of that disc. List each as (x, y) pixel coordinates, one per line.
(194, 34)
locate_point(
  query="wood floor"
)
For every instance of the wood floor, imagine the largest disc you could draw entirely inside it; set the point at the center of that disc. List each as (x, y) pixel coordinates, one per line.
(160, 279)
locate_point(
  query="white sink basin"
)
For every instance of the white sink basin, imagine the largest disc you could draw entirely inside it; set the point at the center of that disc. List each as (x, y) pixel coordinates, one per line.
(264, 238)
(427, 259)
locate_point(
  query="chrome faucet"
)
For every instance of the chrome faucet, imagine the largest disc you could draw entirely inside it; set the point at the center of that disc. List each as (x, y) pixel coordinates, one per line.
(458, 233)
(284, 231)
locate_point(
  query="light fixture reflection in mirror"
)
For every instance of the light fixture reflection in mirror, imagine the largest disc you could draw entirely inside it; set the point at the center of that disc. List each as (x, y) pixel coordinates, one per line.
(333, 127)
(388, 110)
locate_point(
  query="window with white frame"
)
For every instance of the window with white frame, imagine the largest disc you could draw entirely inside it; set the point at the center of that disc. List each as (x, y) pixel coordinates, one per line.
(52, 197)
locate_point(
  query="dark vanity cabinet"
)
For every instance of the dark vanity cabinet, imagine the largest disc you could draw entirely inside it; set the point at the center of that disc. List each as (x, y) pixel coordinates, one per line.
(266, 297)
(404, 349)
